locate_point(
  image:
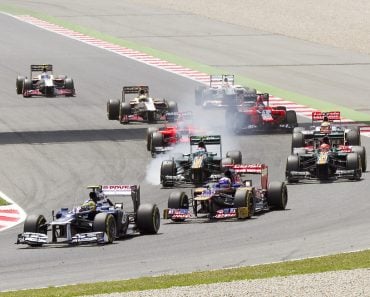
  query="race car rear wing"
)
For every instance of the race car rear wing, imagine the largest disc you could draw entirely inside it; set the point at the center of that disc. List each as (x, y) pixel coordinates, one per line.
(41, 67)
(123, 190)
(134, 90)
(118, 190)
(318, 116)
(216, 80)
(208, 139)
(261, 169)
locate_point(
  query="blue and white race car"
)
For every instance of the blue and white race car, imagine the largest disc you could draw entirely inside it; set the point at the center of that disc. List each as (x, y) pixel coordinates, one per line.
(97, 220)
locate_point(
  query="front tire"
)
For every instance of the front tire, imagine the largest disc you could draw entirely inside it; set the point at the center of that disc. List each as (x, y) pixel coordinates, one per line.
(243, 198)
(105, 222)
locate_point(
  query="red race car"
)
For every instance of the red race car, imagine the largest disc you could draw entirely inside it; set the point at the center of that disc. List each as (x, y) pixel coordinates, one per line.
(255, 114)
(162, 139)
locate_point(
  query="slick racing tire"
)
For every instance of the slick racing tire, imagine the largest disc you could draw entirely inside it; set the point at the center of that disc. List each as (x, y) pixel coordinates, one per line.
(362, 152)
(277, 195)
(236, 156)
(125, 112)
(156, 141)
(243, 198)
(105, 222)
(199, 95)
(172, 106)
(69, 84)
(168, 168)
(297, 140)
(19, 84)
(292, 164)
(178, 200)
(354, 163)
(149, 133)
(35, 224)
(27, 86)
(291, 118)
(148, 219)
(112, 109)
(353, 137)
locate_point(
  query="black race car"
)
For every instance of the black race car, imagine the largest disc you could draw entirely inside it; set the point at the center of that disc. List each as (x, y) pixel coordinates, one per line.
(141, 107)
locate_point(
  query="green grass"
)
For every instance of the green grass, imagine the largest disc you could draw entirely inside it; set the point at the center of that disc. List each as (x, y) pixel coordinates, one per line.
(170, 57)
(346, 261)
(3, 202)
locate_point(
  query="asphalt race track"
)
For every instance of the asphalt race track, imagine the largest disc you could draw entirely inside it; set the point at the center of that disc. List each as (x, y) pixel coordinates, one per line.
(52, 148)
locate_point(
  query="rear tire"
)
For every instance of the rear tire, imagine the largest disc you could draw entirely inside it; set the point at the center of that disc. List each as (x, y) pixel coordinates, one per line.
(353, 137)
(235, 156)
(148, 219)
(277, 195)
(156, 141)
(168, 168)
(291, 118)
(105, 222)
(19, 84)
(149, 133)
(113, 109)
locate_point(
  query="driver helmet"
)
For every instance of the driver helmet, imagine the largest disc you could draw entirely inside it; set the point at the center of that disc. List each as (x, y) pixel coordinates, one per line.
(201, 145)
(224, 182)
(324, 147)
(93, 196)
(325, 126)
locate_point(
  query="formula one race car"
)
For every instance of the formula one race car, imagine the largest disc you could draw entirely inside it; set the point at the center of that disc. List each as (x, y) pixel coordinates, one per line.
(221, 92)
(323, 161)
(45, 83)
(97, 220)
(255, 114)
(341, 138)
(140, 108)
(229, 197)
(163, 139)
(197, 166)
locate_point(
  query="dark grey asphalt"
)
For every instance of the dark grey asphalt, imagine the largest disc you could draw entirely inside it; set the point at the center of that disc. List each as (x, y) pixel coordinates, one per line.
(52, 148)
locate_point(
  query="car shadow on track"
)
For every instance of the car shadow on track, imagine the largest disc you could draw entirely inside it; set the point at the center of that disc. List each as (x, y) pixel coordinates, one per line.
(66, 136)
